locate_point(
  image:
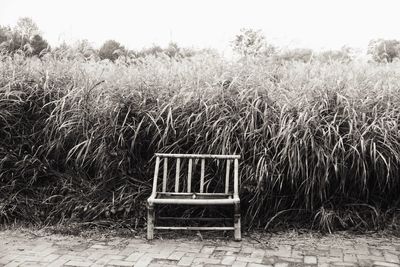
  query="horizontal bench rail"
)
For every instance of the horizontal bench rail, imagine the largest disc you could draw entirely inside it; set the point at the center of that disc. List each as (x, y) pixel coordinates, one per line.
(226, 228)
(194, 194)
(197, 156)
(207, 219)
(198, 201)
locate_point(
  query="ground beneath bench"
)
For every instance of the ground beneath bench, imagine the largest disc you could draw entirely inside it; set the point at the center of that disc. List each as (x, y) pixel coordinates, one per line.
(24, 247)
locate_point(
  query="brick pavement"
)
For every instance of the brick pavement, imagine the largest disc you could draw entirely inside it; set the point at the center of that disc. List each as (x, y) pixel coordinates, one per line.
(35, 248)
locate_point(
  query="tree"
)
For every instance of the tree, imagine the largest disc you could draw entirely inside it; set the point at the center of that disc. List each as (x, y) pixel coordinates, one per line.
(38, 44)
(26, 28)
(85, 49)
(153, 51)
(4, 34)
(384, 50)
(24, 36)
(342, 55)
(173, 50)
(251, 43)
(111, 50)
(297, 54)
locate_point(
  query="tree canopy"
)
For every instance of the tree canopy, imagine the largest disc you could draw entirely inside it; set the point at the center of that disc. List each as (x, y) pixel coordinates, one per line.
(383, 50)
(111, 50)
(251, 42)
(24, 36)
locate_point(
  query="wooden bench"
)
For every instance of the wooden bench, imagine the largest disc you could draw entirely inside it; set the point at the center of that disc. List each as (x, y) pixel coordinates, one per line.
(171, 193)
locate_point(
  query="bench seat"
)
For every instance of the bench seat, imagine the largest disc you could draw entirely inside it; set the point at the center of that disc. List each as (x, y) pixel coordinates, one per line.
(194, 199)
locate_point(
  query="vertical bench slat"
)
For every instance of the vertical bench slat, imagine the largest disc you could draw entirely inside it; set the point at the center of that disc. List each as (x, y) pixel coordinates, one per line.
(189, 183)
(228, 166)
(203, 164)
(164, 187)
(235, 179)
(178, 169)
(156, 176)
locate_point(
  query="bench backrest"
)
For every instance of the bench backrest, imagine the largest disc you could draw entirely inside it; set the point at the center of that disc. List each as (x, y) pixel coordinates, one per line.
(178, 159)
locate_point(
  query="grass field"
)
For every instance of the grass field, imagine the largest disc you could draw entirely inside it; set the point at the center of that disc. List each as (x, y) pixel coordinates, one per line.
(319, 141)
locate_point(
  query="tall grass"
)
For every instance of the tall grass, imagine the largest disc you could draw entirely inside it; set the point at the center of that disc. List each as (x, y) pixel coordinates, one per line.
(320, 142)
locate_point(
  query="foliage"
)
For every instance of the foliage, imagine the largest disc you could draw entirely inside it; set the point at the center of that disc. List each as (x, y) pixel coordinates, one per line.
(252, 43)
(384, 50)
(319, 142)
(24, 37)
(297, 54)
(85, 49)
(173, 50)
(343, 55)
(4, 34)
(111, 50)
(26, 28)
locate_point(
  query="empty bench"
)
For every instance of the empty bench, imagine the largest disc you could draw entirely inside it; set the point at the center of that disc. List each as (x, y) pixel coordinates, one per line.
(164, 193)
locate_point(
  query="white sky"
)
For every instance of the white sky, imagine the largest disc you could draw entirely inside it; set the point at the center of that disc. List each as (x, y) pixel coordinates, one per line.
(318, 24)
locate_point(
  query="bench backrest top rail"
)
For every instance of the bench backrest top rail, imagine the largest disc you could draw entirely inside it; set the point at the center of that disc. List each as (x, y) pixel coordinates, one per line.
(197, 156)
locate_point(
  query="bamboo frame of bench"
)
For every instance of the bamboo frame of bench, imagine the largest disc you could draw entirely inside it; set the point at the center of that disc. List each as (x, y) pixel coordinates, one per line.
(194, 198)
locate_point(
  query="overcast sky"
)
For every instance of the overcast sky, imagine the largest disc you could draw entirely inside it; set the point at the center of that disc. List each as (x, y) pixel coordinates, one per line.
(317, 24)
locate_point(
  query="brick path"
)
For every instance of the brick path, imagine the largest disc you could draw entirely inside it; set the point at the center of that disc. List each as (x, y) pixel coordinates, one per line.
(25, 248)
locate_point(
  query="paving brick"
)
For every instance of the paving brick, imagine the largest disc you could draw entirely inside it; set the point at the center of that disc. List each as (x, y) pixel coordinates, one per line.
(370, 258)
(14, 263)
(310, 260)
(32, 263)
(335, 252)
(297, 254)
(198, 255)
(258, 253)
(232, 249)
(375, 252)
(186, 261)
(120, 263)
(134, 256)
(239, 264)
(289, 259)
(99, 246)
(8, 258)
(143, 261)
(177, 255)
(389, 248)
(385, 264)
(188, 249)
(78, 263)
(207, 249)
(206, 261)
(61, 261)
(252, 264)
(247, 250)
(127, 251)
(249, 259)
(360, 250)
(95, 256)
(228, 260)
(390, 257)
(235, 244)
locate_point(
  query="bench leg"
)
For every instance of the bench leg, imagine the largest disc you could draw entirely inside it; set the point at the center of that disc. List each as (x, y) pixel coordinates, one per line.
(150, 221)
(238, 235)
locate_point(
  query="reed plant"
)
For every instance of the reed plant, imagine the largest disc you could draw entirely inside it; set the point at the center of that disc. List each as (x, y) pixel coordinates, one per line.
(319, 141)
